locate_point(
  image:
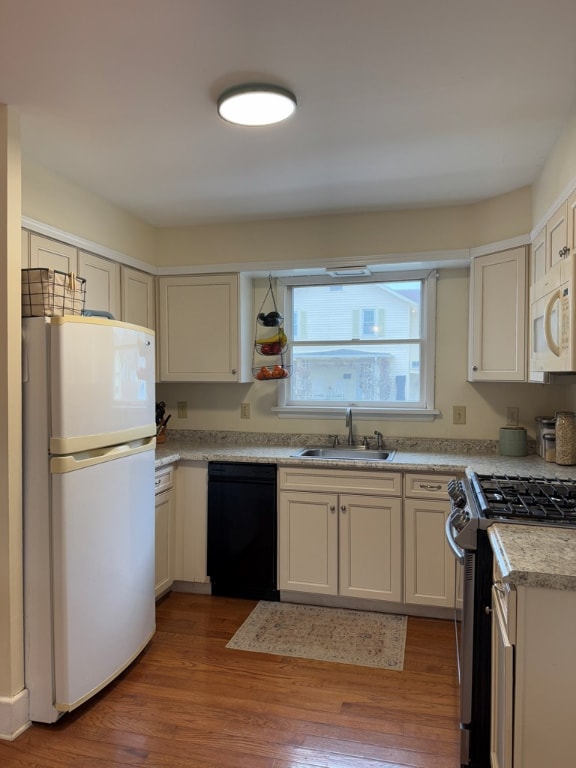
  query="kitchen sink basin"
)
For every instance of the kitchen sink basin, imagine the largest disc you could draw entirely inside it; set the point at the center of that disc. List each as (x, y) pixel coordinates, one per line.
(359, 453)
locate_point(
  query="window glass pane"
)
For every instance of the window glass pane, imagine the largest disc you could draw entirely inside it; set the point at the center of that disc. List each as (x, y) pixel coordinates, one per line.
(386, 310)
(356, 373)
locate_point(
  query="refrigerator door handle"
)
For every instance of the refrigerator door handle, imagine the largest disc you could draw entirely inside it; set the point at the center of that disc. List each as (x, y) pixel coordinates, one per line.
(61, 464)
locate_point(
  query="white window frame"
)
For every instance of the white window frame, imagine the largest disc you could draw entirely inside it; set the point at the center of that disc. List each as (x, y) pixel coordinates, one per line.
(427, 361)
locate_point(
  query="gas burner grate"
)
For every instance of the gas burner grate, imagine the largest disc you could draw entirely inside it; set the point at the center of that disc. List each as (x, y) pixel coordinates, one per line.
(527, 499)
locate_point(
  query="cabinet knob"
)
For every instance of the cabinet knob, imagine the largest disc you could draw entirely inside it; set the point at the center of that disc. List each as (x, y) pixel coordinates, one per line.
(234, 371)
(343, 508)
(564, 251)
(332, 508)
(474, 367)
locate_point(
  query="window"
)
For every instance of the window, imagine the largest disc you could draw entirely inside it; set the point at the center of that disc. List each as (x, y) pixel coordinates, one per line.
(369, 344)
(369, 326)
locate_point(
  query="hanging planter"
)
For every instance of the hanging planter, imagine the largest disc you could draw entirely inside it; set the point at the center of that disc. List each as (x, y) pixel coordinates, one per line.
(270, 341)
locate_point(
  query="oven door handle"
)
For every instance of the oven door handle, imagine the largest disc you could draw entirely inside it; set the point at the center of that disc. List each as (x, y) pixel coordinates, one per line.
(457, 551)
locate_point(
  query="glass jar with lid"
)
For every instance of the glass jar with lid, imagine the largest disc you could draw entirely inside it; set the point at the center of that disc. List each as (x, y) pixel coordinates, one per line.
(566, 437)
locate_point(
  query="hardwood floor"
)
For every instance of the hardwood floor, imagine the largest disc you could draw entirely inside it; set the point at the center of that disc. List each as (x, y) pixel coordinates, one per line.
(188, 702)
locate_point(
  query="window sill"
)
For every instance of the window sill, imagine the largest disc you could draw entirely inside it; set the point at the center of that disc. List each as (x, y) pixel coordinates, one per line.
(331, 412)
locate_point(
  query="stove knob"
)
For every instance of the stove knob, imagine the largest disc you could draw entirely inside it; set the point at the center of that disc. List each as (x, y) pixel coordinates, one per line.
(460, 520)
(456, 494)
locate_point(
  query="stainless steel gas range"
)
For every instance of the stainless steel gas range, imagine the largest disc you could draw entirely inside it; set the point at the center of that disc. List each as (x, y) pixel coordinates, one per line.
(477, 501)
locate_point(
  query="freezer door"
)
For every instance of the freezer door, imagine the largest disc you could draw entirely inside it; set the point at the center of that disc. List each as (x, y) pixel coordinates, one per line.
(102, 383)
(103, 568)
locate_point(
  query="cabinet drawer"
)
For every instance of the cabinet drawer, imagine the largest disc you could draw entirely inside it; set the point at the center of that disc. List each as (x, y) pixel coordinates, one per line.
(163, 479)
(336, 480)
(432, 486)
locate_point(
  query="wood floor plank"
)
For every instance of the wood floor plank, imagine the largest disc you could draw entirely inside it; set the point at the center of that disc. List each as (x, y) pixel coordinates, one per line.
(189, 702)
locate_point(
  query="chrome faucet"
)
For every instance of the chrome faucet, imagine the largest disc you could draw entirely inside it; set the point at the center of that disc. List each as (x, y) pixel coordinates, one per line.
(349, 425)
(379, 440)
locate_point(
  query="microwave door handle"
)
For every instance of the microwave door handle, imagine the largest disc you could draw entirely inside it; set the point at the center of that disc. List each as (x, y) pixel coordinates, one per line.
(552, 346)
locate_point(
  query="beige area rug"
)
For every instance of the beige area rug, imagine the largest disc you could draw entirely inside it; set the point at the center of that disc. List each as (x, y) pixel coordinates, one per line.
(326, 634)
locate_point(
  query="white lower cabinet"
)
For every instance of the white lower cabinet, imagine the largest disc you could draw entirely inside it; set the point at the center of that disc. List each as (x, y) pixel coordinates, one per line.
(191, 524)
(164, 539)
(502, 703)
(344, 541)
(429, 565)
(533, 677)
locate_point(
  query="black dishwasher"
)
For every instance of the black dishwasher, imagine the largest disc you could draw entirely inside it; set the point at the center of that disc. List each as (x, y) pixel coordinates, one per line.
(242, 530)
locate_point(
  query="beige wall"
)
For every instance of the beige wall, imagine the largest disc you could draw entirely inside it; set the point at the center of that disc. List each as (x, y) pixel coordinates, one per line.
(558, 174)
(318, 239)
(53, 200)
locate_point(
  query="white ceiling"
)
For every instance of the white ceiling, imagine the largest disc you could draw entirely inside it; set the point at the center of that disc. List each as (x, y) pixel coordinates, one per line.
(401, 103)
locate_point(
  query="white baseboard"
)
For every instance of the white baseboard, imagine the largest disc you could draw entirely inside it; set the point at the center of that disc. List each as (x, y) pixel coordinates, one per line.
(193, 587)
(14, 715)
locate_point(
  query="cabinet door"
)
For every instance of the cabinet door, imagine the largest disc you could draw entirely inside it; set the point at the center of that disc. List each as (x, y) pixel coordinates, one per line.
(199, 329)
(370, 547)
(538, 260)
(25, 249)
(498, 317)
(164, 542)
(52, 254)
(102, 283)
(557, 235)
(138, 302)
(308, 536)
(502, 711)
(429, 563)
(191, 522)
(571, 225)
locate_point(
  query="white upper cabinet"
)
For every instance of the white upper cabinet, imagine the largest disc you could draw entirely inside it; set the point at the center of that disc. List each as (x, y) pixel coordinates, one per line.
(538, 260)
(52, 254)
(128, 294)
(557, 236)
(102, 283)
(25, 249)
(138, 297)
(204, 332)
(571, 223)
(498, 318)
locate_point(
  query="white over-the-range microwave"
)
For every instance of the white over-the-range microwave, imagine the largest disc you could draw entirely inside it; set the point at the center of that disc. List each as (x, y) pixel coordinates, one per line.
(552, 330)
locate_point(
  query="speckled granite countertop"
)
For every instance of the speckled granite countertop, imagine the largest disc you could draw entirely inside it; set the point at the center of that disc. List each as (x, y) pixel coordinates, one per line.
(534, 556)
(417, 457)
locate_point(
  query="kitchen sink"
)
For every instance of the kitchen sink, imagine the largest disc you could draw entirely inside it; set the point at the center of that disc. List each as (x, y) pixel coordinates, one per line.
(350, 453)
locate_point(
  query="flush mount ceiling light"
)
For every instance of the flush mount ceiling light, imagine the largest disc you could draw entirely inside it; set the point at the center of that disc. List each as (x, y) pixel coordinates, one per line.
(256, 104)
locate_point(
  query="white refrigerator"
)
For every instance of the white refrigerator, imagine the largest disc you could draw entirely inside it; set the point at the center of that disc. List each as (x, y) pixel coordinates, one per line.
(88, 498)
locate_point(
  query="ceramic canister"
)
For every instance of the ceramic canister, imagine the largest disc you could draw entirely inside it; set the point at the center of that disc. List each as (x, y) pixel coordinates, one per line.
(513, 441)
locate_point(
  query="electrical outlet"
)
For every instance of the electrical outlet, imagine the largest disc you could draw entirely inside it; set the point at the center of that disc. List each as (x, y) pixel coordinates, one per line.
(512, 416)
(459, 414)
(245, 410)
(182, 409)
